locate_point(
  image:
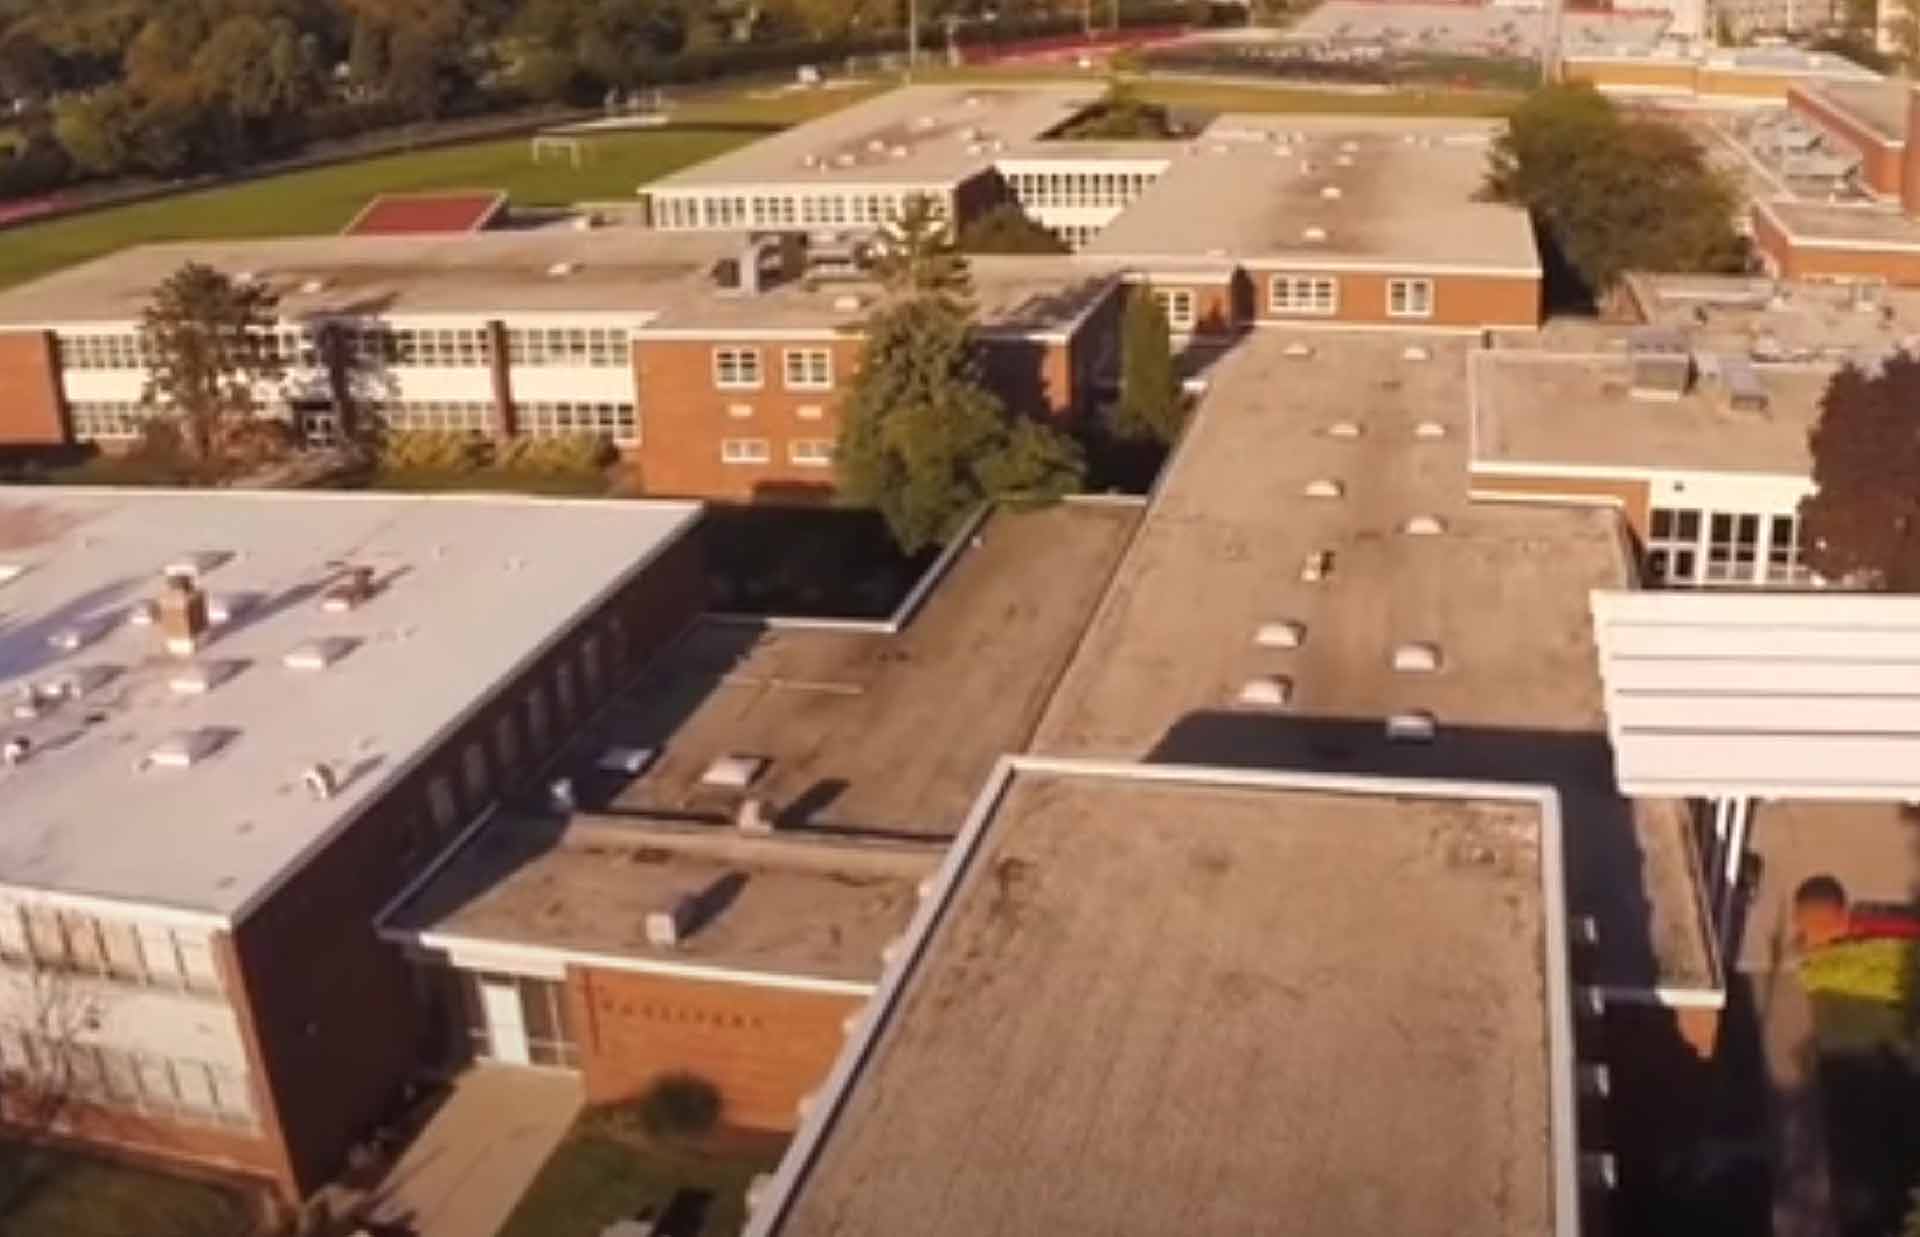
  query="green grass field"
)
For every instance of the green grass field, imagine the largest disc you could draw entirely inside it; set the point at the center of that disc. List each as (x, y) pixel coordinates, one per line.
(48, 1193)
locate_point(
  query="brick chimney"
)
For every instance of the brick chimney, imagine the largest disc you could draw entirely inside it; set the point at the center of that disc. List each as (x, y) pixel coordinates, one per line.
(1910, 157)
(182, 614)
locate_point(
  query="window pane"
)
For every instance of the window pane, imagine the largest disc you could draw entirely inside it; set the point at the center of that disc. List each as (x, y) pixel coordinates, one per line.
(536, 1006)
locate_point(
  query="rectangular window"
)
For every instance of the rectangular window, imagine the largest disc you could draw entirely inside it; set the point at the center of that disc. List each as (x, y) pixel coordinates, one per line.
(1177, 305)
(745, 451)
(808, 369)
(1303, 295)
(1410, 298)
(811, 452)
(736, 368)
(616, 421)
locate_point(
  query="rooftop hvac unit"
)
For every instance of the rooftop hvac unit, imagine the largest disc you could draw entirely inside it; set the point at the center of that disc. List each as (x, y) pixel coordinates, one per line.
(1424, 526)
(876, 147)
(1429, 430)
(1349, 146)
(1282, 634)
(1416, 657)
(1323, 487)
(10, 572)
(849, 303)
(734, 772)
(1345, 429)
(313, 287)
(1413, 726)
(350, 592)
(1266, 691)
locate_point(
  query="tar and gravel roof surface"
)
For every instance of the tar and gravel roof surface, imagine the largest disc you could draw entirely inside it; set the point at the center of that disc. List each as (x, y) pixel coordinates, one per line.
(1881, 105)
(1407, 193)
(80, 816)
(1463, 28)
(787, 906)
(1847, 226)
(1145, 1007)
(1568, 409)
(1503, 593)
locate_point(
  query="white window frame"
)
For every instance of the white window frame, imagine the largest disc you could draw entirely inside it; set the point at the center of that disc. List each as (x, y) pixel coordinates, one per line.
(1180, 306)
(807, 369)
(746, 451)
(810, 452)
(1414, 298)
(731, 366)
(1303, 296)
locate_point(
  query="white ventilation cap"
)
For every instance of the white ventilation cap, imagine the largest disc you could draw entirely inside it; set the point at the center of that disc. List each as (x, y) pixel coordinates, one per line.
(1345, 161)
(1324, 487)
(1313, 235)
(1331, 193)
(632, 761)
(1267, 691)
(1416, 657)
(1416, 352)
(1345, 429)
(1424, 526)
(1430, 429)
(227, 607)
(734, 772)
(1412, 726)
(184, 748)
(10, 572)
(200, 678)
(666, 928)
(1283, 634)
(313, 655)
(1297, 350)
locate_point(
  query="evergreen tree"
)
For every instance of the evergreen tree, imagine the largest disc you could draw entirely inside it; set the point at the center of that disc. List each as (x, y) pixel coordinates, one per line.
(917, 255)
(1149, 393)
(209, 345)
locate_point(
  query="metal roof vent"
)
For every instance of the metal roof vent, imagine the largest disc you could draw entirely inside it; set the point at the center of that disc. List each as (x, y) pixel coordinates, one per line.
(845, 159)
(184, 748)
(1345, 429)
(1313, 235)
(1324, 487)
(1424, 526)
(321, 781)
(1297, 351)
(1316, 567)
(226, 607)
(350, 592)
(1284, 634)
(734, 772)
(1267, 691)
(1331, 193)
(200, 678)
(1429, 429)
(1416, 657)
(312, 656)
(667, 927)
(1412, 726)
(1416, 352)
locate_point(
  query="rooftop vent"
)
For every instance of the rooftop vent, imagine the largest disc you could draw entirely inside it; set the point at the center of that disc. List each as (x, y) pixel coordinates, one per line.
(1660, 364)
(311, 656)
(201, 677)
(877, 147)
(845, 159)
(1745, 391)
(1430, 429)
(181, 612)
(76, 636)
(1416, 352)
(1331, 193)
(1267, 691)
(667, 927)
(734, 772)
(10, 572)
(1348, 147)
(1313, 236)
(560, 270)
(1324, 487)
(185, 748)
(849, 303)
(751, 817)
(1282, 634)
(313, 287)
(631, 761)
(1345, 161)
(1345, 429)
(321, 781)
(14, 751)
(898, 152)
(1317, 567)
(1416, 657)
(224, 608)
(77, 681)
(1424, 526)
(350, 592)
(1412, 726)
(1297, 350)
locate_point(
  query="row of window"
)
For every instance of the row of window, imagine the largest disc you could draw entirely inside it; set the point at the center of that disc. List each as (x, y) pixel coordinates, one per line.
(599, 347)
(1689, 548)
(151, 955)
(804, 452)
(107, 420)
(683, 212)
(1062, 190)
(175, 1088)
(428, 347)
(564, 418)
(801, 369)
(1318, 296)
(1178, 306)
(123, 350)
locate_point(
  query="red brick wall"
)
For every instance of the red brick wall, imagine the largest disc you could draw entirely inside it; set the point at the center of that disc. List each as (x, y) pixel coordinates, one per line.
(684, 417)
(31, 408)
(329, 1011)
(1880, 162)
(762, 1048)
(142, 1137)
(1458, 300)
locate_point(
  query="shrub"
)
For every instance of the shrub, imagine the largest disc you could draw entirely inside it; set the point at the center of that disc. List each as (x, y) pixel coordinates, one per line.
(432, 451)
(679, 1106)
(566, 455)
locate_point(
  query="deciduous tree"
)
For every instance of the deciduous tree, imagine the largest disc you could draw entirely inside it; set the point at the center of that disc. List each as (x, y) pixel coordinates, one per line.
(209, 352)
(1863, 522)
(1008, 229)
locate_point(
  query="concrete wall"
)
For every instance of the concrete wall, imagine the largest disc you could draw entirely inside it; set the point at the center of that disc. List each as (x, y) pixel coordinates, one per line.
(32, 410)
(762, 1048)
(332, 1015)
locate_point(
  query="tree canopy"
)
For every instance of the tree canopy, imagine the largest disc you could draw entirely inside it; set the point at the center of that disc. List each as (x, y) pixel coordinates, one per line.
(917, 255)
(1614, 193)
(1008, 229)
(209, 345)
(1863, 522)
(1150, 407)
(925, 442)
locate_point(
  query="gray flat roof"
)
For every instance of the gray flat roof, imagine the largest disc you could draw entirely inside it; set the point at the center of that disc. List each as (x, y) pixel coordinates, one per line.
(1881, 104)
(1407, 193)
(784, 906)
(1786, 320)
(1148, 1005)
(864, 730)
(1502, 593)
(1484, 30)
(81, 817)
(1570, 409)
(933, 136)
(1864, 226)
(612, 270)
